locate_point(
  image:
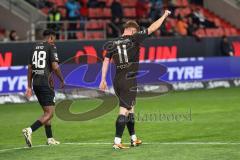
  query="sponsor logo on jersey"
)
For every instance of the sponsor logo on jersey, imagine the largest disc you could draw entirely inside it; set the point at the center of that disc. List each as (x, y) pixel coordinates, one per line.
(38, 72)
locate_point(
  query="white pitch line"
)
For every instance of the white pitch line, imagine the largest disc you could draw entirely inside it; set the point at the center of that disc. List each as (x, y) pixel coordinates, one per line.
(145, 143)
(19, 148)
(160, 143)
(194, 143)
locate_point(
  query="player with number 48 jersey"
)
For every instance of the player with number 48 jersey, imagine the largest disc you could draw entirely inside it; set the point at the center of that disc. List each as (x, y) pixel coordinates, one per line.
(43, 60)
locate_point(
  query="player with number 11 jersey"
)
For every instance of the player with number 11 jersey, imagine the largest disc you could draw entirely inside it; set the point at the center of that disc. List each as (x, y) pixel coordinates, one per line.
(124, 51)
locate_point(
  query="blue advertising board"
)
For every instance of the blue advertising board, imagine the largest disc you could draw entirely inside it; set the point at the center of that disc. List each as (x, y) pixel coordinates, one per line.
(14, 79)
(199, 69)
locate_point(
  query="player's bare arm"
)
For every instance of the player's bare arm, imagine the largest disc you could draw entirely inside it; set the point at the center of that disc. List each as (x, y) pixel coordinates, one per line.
(157, 24)
(29, 77)
(103, 84)
(58, 72)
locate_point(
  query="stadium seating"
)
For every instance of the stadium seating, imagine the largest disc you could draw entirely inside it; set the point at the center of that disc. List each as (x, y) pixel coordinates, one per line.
(99, 16)
(129, 12)
(80, 35)
(94, 35)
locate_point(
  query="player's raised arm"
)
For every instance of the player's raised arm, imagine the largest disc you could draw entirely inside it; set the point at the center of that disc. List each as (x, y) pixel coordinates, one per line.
(103, 84)
(154, 26)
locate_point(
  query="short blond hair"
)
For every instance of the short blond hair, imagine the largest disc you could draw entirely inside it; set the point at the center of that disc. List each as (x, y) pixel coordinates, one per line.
(131, 24)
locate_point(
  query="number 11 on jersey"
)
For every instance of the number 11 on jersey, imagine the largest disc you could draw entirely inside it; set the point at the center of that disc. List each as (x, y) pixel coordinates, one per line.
(124, 51)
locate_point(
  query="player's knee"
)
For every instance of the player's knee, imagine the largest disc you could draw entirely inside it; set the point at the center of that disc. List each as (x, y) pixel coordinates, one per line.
(48, 116)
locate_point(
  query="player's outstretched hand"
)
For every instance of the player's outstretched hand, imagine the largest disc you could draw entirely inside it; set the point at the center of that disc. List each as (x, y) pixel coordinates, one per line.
(167, 13)
(103, 85)
(28, 93)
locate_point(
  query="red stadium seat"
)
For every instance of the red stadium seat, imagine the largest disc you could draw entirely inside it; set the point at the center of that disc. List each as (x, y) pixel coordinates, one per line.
(95, 12)
(182, 11)
(186, 11)
(233, 31)
(94, 35)
(60, 2)
(84, 1)
(130, 12)
(227, 32)
(172, 21)
(208, 32)
(92, 12)
(62, 36)
(107, 12)
(129, 3)
(230, 32)
(101, 24)
(185, 3)
(94, 24)
(182, 3)
(88, 35)
(220, 32)
(214, 32)
(98, 35)
(80, 35)
(200, 33)
(217, 22)
(108, 3)
(45, 10)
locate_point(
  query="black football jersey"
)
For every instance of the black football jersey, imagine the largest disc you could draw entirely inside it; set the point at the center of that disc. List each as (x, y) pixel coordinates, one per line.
(125, 52)
(41, 57)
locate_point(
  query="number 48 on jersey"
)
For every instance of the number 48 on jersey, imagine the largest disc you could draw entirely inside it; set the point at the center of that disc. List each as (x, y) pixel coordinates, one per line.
(39, 59)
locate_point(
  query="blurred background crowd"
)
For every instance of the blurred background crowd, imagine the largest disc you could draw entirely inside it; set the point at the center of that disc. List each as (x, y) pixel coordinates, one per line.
(98, 19)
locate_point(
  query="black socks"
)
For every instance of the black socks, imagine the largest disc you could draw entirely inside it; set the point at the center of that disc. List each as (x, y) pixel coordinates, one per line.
(120, 125)
(48, 131)
(36, 125)
(130, 124)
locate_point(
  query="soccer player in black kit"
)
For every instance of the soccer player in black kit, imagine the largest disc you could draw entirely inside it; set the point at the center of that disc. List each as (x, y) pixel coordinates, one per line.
(125, 54)
(43, 60)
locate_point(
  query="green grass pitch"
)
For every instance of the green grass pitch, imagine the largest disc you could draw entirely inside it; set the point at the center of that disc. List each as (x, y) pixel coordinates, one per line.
(213, 133)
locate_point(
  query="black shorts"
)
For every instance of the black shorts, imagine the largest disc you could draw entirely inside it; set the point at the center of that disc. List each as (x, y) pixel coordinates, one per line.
(45, 95)
(126, 91)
